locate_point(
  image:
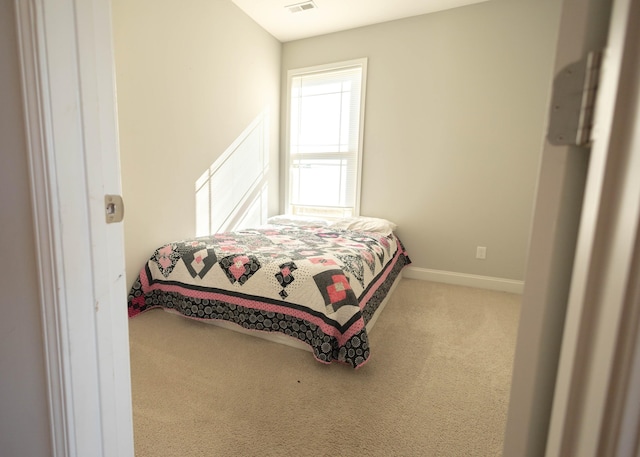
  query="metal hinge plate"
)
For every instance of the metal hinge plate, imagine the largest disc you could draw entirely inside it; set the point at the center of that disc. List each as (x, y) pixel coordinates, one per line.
(573, 102)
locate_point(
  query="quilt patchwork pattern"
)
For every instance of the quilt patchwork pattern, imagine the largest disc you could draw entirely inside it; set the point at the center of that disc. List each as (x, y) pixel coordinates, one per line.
(335, 290)
(315, 284)
(285, 276)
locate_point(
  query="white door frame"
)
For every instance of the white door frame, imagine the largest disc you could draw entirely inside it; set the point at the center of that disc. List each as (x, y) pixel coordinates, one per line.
(597, 395)
(69, 97)
(589, 405)
(559, 196)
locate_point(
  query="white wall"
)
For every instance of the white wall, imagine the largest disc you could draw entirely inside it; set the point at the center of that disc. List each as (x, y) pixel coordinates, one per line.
(191, 76)
(24, 414)
(454, 127)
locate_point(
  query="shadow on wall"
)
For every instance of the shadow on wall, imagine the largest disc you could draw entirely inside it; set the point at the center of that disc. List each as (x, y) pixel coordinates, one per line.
(232, 193)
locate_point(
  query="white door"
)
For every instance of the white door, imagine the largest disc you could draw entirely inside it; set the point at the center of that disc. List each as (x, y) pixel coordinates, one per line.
(68, 77)
(566, 342)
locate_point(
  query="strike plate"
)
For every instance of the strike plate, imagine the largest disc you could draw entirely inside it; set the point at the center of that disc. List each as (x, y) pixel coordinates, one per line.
(114, 208)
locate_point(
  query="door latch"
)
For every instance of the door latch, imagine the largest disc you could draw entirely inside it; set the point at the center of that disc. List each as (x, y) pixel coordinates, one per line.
(114, 208)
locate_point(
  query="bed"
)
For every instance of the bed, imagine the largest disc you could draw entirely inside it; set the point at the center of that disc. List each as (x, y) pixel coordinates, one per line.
(312, 283)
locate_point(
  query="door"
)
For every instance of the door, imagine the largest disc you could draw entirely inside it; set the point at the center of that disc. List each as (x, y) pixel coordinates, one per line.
(561, 377)
(69, 97)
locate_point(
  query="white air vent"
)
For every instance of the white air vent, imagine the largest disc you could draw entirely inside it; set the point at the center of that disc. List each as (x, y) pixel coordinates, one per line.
(298, 7)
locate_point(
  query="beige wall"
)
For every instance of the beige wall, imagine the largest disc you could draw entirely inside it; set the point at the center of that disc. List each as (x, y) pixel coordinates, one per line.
(191, 76)
(456, 108)
(24, 414)
(455, 114)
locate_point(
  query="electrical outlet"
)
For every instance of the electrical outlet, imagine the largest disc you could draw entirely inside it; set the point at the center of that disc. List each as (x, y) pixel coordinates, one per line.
(481, 252)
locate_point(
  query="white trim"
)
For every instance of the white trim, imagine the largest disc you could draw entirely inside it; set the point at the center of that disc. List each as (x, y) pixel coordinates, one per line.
(560, 188)
(69, 102)
(96, 75)
(465, 279)
(45, 215)
(50, 79)
(363, 98)
(602, 315)
(626, 394)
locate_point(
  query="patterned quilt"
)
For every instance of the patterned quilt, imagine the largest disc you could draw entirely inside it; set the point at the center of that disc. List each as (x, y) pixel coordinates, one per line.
(316, 284)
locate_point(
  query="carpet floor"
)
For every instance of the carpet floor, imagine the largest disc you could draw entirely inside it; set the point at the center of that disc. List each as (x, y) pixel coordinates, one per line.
(437, 384)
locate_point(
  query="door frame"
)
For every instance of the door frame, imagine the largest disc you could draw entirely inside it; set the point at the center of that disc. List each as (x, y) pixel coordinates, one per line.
(577, 358)
(597, 392)
(66, 58)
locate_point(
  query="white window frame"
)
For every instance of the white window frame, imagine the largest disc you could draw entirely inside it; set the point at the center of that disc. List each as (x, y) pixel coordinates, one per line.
(362, 63)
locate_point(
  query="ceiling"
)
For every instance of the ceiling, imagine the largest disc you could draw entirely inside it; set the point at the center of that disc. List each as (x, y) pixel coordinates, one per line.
(335, 15)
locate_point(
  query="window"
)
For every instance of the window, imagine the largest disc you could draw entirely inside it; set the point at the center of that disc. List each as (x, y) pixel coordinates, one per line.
(324, 147)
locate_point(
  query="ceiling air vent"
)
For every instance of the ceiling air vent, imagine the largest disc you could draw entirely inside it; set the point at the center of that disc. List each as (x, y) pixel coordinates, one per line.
(298, 7)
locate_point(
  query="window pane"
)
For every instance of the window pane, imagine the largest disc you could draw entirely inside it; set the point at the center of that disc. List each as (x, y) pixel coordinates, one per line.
(319, 182)
(312, 86)
(320, 122)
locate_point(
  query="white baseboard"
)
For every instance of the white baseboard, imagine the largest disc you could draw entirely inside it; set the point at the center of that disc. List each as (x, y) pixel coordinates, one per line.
(463, 279)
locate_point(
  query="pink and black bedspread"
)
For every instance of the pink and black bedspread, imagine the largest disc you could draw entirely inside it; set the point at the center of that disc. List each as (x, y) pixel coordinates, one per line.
(316, 284)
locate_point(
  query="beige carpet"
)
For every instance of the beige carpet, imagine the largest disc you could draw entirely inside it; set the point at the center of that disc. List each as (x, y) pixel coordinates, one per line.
(437, 384)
